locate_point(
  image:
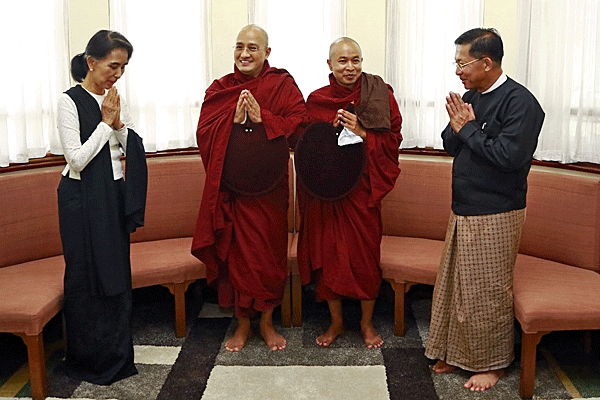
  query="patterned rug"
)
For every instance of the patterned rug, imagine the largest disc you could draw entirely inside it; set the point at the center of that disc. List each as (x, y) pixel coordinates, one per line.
(199, 367)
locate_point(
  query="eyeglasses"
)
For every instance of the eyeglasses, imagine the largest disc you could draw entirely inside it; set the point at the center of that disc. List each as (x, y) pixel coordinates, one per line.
(462, 66)
(251, 49)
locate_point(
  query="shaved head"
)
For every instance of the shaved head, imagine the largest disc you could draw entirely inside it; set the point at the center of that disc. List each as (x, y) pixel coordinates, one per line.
(260, 32)
(343, 40)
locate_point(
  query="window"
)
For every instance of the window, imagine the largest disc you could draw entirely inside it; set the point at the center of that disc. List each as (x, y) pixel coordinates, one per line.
(167, 75)
(559, 45)
(420, 51)
(35, 70)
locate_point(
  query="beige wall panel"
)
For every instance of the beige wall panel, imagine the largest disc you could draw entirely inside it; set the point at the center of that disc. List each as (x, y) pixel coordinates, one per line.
(86, 17)
(366, 23)
(227, 18)
(502, 15)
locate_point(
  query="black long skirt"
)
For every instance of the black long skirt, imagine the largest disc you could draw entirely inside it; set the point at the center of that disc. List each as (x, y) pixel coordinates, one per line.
(98, 328)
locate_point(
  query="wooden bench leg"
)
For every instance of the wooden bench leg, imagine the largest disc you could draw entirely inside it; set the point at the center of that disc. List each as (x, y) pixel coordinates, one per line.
(178, 290)
(286, 304)
(296, 287)
(400, 289)
(37, 365)
(529, 342)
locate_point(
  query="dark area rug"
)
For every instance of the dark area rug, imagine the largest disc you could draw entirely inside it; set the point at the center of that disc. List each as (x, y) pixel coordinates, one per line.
(399, 370)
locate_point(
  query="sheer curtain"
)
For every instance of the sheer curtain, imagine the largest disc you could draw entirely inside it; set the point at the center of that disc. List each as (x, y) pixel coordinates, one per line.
(420, 51)
(559, 49)
(168, 73)
(35, 70)
(299, 36)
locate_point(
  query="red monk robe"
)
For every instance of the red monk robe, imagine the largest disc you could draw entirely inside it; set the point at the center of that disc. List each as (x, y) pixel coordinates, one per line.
(339, 242)
(243, 240)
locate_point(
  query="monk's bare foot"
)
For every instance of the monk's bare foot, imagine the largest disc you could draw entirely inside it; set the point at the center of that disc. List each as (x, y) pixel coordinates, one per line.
(330, 335)
(239, 338)
(371, 338)
(482, 381)
(273, 339)
(441, 367)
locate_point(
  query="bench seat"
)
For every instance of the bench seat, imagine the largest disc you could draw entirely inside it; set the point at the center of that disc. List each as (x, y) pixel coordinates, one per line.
(406, 261)
(43, 281)
(169, 263)
(551, 296)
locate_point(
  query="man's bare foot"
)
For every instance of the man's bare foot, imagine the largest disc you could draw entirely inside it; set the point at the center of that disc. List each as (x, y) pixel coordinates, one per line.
(482, 381)
(239, 338)
(330, 335)
(273, 339)
(441, 367)
(371, 338)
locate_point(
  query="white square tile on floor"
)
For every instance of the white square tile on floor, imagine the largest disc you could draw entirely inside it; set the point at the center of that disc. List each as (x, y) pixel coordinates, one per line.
(297, 382)
(160, 355)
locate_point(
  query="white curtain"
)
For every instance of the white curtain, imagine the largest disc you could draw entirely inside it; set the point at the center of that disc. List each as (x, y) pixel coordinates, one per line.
(168, 73)
(420, 51)
(299, 36)
(34, 70)
(559, 49)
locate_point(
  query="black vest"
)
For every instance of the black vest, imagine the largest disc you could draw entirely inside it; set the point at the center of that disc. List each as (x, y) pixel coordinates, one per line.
(107, 222)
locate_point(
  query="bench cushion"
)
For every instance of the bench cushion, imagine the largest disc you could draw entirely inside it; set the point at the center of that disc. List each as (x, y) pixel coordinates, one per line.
(31, 294)
(164, 261)
(550, 296)
(407, 259)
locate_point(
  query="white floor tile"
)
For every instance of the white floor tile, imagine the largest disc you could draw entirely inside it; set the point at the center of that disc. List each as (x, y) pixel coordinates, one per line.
(163, 355)
(343, 382)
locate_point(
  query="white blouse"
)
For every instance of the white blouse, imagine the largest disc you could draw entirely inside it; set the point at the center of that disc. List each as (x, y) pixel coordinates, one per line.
(79, 155)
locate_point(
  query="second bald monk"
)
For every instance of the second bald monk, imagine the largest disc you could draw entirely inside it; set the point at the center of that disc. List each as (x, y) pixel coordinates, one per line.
(243, 239)
(339, 240)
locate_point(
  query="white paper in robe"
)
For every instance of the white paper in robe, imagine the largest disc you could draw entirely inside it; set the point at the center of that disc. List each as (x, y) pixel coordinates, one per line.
(346, 137)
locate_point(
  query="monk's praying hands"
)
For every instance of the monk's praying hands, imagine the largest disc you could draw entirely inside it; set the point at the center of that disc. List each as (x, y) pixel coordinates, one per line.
(459, 112)
(247, 103)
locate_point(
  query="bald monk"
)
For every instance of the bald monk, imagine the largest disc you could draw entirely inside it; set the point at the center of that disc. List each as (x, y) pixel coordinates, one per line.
(339, 240)
(243, 239)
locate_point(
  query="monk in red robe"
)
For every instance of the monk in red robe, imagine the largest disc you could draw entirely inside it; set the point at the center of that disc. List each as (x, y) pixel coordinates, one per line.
(339, 240)
(243, 239)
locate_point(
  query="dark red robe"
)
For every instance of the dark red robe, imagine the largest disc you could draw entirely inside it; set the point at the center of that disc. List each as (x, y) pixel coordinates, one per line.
(339, 240)
(243, 240)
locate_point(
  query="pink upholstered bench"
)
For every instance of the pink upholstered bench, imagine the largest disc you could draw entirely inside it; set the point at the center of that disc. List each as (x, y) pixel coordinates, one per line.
(295, 286)
(287, 312)
(415, 216)
(31, 262)
(557, 284)
(160, 250)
